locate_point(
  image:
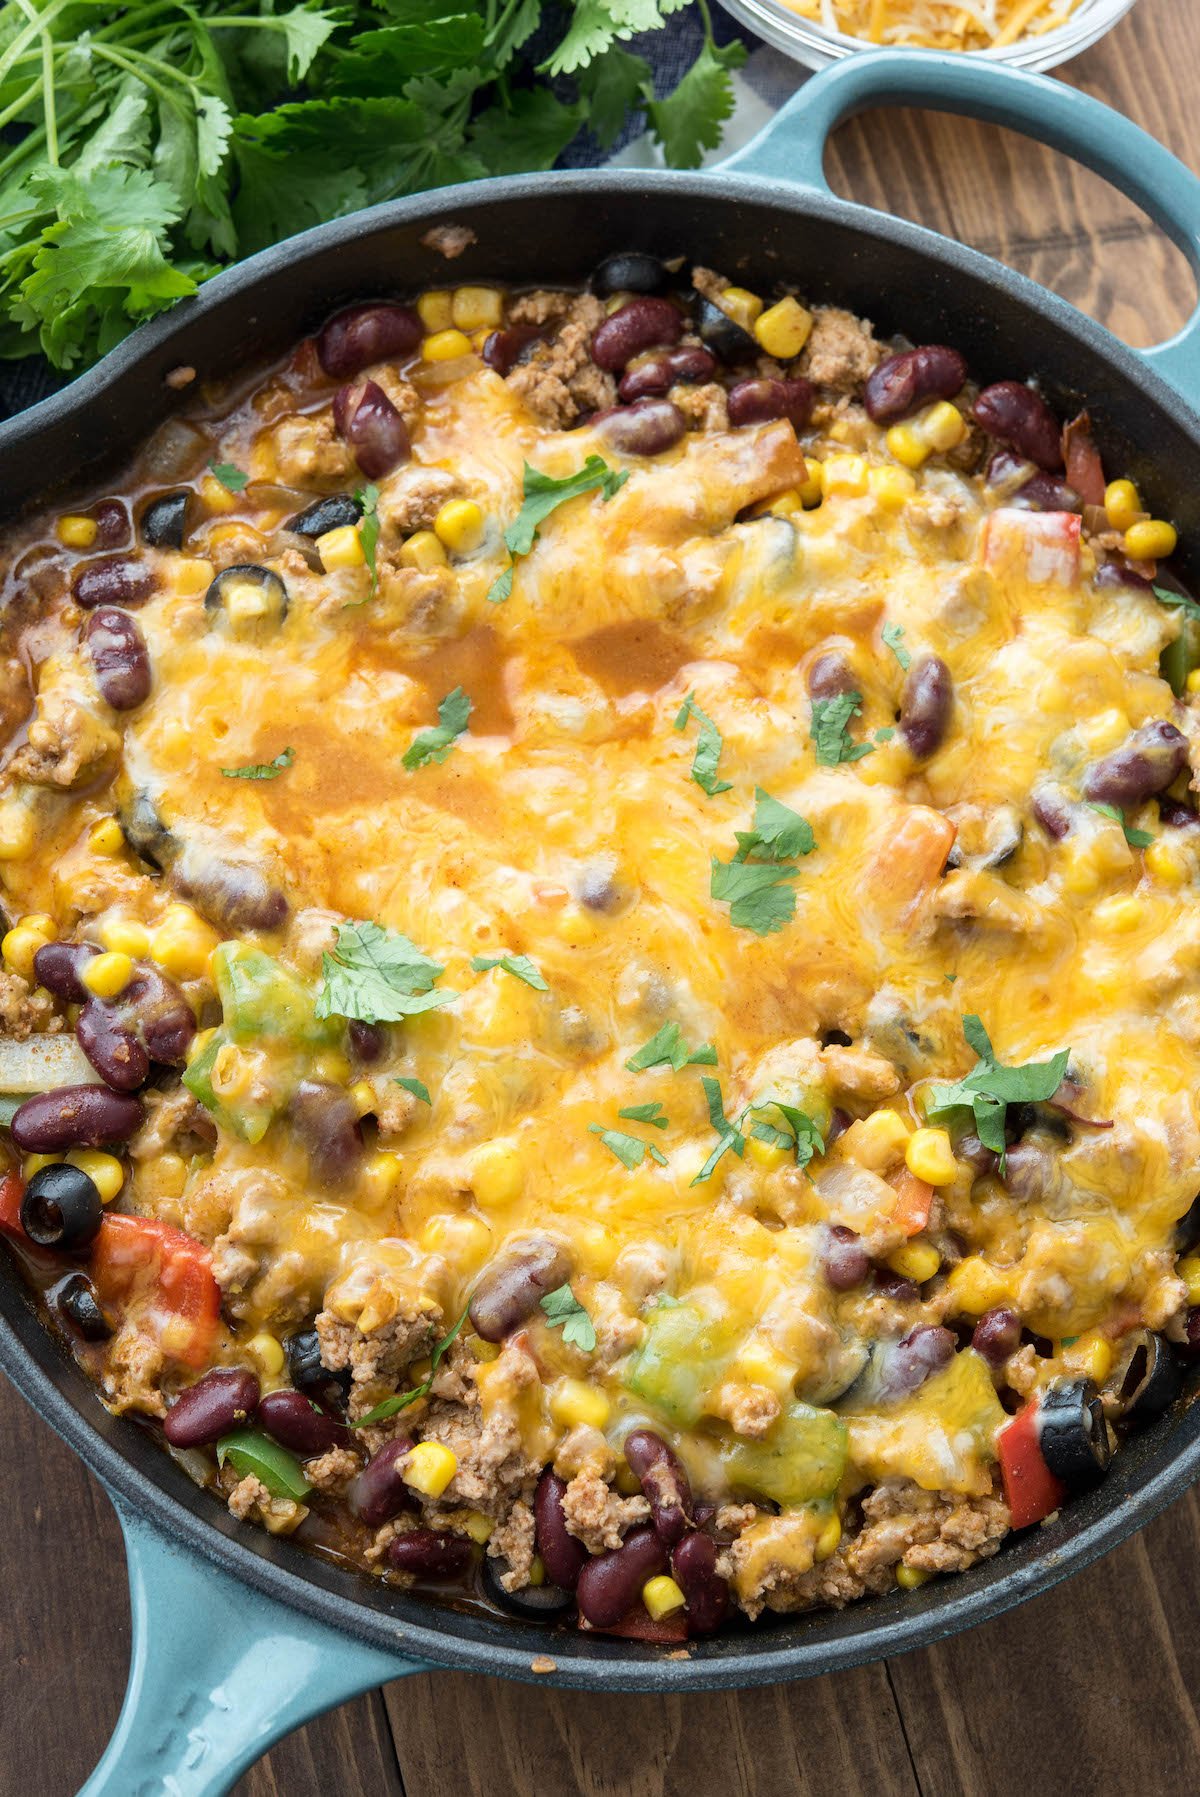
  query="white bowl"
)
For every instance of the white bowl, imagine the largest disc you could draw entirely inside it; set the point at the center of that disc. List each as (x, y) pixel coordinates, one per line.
(814, 46)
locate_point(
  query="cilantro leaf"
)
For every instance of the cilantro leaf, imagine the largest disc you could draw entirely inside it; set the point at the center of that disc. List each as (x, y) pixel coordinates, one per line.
(893, 638)
(645, 1113)
(518, 965)
(728, 1134)
(830, 729)
(990, 1088)
(1137, 839)
(368, 529)
(759, 897)
(417, 1087)
(631, 1151)
(262, 770)
(689, 120)
(403, 1399)
(542, 494)
(611, 84)
(436, 743)
(667, 1048)
(802, 1135)
(708, 748)
(377, 976)
(501, 587)
(231, 478)
(563, 1310)
(1183, 601)
(531, 131)
(779, 833)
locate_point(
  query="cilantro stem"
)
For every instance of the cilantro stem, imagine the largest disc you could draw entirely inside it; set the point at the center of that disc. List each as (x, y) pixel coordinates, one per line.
(129, 59)
(38, 24)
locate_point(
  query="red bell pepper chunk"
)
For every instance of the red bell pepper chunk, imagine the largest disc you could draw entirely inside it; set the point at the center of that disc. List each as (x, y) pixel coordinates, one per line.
(638, 1625)
(1031, 1489)
(12, 1190)
(166, 1277)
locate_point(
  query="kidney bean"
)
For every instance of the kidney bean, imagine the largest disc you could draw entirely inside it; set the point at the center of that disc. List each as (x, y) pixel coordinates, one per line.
(327, 1122)
(222, 1400)
(688, 364)
(629, 271)
(112, 580)
(844, 1260)
(429, 1553)
(924, 1350)
(159, 1015)
(233, 895)
(985, 1161)
(759, 401)
(368, 421)
(1190, 1346)
(366, 1039)
(1173, 814)
(504, 350)
(563, 1557)
(1020, 418)
(839, 1123)
(646, 428)
(297, 1424)
(895, 1286)
(1116, 572)
(1053, 814)
(639, 324)
(610, 1583)
(115, 1053)
(694, 1564)
(112, 524)
(925, 706)
(1005, 469)
(119, 656)
(903, 383)
(663, 1481)
(511, 1287)
(997, 1334)
(1142, 767)
(1046, 493)
(75, 1117)
(58, 967)
(379, 1492)
(829, 675)
(353, 339)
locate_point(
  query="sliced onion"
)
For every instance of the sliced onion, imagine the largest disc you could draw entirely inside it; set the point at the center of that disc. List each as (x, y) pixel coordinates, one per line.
(42, 1063)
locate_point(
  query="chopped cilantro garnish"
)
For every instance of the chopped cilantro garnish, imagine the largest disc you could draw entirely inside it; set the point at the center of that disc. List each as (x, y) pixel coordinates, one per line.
(377, 976)
(989, 1088)
(631, 1151)
(417, 1087)
(893, 638)
(436, 743)
(541, 495)
(802, 1136)
(886, 734)
(728, 1134)
(403, 1399)
(708, 748)
(520, 966)
(563, 1310)
(1183, 601)
(645, 1113)
(667, 1048)
(830, 729)
(778, 833)
(759, 897)
(231, 478)
(368, 529)
(1137, 839)
(262, 770)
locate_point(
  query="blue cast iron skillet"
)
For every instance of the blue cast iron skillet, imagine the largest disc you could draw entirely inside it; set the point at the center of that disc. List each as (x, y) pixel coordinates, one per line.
(237, 1638)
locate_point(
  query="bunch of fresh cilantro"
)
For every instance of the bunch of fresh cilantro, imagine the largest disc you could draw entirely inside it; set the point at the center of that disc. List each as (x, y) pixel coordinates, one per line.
(143, 146)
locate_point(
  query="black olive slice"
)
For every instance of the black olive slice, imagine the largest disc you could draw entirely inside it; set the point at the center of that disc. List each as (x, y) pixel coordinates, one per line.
(722, 335)
(310, 1375)
(61, 1207)
(163, 524)
(146, 833)
(630, 271)
(246, 598)
(1148, 1380)
(74, 1298)
(333, 513)
(1187, 1230)
(532, 1601)
(1072, 1432)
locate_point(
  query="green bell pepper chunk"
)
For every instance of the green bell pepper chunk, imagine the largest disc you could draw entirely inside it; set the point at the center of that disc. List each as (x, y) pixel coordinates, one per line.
(1179, 658)
(249, 1451)
(683, 1355)
(262, 1000)
(249, 1122)
(800, 1460)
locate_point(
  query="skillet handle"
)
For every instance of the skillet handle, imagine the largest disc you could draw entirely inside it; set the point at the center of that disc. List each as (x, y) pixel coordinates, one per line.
(792, 147)
(217, 1674)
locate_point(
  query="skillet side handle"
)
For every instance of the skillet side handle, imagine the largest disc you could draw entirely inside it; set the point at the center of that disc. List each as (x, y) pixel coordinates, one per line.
(792, 147)
(217, 1674)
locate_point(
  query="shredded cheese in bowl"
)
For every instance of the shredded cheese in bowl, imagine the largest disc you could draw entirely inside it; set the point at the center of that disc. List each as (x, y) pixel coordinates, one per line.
(938, 24)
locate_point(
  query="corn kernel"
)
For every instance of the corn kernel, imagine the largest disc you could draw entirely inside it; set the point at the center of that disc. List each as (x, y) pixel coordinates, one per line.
(104, 1170)
(125, 936)
(758, 1363)
(183, 943)
(1117, 916)
(268, 1351)
(33, 1163)
(176, 1336)
(813, 490)
(166, 1176)
(845, 474)
(216, 497)
(784, 505)
(917, 1261)
(572, 1403)
(973, 1287)
(422, 550)
(496, 1174)
(537, 1571)
(362, 1097)
(444, 346)
(626, 1480)
(910, 1577)
(1122, 504)
(662, 1597)
(76, 532)
(381, 1175)
(192, 575)
(1151, 541)
(331, 1066)
(1086, 862)
(741, 305)
(942, 426)
(907, 447)
(1166, 864)
(430, 1468)
(767, 1155)
(1092, 1355)
(19, 947)
(1188, 1270)
(476, 308)
(436, 310)
(930, 1157)
(341, 548)
(459, 525)
(17, 831)
(42, 922)
(576, 928)
(829, 1540)
(783, 329)
(1193, 682)
(108, 974)
(892, 487)
(478, 1526)
(878, 1141)
(106, 837)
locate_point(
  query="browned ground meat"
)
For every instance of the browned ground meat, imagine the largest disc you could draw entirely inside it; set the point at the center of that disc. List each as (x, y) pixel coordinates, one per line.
(412, 499)
(374, 1361)
(539, 307)
(171, 1116)
(560, 382)
(513, 1542)
(67, 743)
(493, 1465)
(308, 451)
(841, 352)
(597, 1515)
(25, 1009)
(449, 240)
(704, 408)
(332, 1471)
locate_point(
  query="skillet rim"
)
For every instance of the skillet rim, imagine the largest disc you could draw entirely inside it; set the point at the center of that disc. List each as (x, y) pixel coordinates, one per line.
(873, 1629)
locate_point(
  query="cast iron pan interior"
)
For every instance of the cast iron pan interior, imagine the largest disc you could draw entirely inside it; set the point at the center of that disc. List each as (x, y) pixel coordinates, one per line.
(548, 230)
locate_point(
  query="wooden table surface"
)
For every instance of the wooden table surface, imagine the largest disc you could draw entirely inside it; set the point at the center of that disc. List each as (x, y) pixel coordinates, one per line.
(1092, 1688)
